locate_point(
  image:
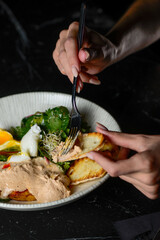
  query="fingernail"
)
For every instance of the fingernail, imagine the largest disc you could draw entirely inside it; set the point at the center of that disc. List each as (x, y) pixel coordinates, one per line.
(101, 126)
(74, 71)
(78, 89)
(80, 84)
(89, 155)
(87, 55)
(94, 81)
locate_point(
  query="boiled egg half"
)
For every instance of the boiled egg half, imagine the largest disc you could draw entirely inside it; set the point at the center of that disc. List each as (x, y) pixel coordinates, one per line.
(19, 157)
(29, 142)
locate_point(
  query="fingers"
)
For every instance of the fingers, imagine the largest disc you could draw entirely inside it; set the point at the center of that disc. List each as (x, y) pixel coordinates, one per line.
(56, 54)
(132, 171)
(151, 191)
(149, 179)
(83, 55)
(123, 139)
(101, 126)
(136, 142)
(119, 167)
(63, 60)
(59, 55)
(140, 162)
(152, 195)
(142, 169)
(71, 46)
(88, 54)
(65, 54)
(72, 62)
(88, 78)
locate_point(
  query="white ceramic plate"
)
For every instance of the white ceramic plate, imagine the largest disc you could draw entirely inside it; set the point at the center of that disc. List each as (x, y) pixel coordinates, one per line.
(13, 108)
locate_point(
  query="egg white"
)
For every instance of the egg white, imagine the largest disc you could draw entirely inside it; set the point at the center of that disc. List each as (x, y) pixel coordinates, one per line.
(19, 157)
(29, 142)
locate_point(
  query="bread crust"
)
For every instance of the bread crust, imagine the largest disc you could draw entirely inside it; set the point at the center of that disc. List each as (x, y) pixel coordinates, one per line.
(84, 170)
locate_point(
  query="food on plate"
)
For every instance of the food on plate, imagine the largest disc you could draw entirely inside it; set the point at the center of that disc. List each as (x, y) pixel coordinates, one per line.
(5, 136)
(55, 120)
(19, 157)
(21, 196)
(83, 170)
(84, 144)
(44, 180)
(9, 148)
(31, 165)
(29, 142)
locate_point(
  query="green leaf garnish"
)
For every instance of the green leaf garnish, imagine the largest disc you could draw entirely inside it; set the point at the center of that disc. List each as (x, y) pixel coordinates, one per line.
(3, 158)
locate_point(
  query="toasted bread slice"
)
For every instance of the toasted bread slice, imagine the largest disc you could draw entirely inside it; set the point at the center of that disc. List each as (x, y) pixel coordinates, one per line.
(86, 142)
(84, 170)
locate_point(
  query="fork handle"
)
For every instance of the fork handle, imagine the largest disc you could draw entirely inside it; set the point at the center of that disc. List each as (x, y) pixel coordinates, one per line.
(80, 41)
(74, 106)
(81, 25)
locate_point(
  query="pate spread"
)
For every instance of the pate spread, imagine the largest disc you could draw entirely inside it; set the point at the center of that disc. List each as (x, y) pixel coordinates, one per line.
(44, 180)
(56, 154)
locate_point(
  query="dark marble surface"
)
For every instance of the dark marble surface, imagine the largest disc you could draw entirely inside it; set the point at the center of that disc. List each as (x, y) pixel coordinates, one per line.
(130, 91)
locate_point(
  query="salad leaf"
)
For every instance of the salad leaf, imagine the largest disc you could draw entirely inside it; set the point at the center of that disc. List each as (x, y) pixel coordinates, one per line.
(64, 165)
(5, 200)
(55, 126)
(14, 149)
(3, 158)
(18, 132)
(56, 119)
(52, 120)
(28, 122)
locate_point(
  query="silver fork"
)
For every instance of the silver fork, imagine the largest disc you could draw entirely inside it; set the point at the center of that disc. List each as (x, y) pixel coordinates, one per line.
(75, 124)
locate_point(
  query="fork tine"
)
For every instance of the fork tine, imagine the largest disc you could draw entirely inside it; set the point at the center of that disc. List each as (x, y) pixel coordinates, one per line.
(70, 140)
(73, 140)
(72, 133)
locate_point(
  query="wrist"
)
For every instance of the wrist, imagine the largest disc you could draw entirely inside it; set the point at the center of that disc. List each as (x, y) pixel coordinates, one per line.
(111, 50)
(118, 44)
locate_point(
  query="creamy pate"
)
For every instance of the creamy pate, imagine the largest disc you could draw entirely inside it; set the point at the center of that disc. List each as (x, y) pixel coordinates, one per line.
(57, 153)
(44, 180)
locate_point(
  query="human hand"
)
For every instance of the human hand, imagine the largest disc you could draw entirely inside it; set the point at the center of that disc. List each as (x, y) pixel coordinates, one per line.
(142, 169)
(96, 54)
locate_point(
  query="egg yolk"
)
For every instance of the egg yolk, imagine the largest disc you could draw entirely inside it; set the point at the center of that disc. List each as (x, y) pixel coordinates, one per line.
(5, 136)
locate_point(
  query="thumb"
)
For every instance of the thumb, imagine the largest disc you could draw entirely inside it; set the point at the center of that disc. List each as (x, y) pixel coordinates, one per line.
(88, 54)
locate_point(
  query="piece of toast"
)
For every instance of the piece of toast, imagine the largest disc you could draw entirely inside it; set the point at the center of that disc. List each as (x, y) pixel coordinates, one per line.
(84, 170)
(86, 142)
